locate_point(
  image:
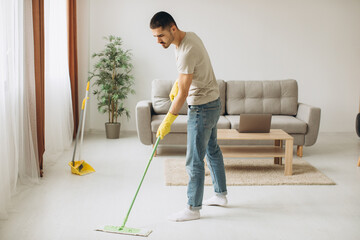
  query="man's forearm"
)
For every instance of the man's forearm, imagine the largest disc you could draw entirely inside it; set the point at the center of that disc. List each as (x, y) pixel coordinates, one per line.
(184, 82)
(177, 104)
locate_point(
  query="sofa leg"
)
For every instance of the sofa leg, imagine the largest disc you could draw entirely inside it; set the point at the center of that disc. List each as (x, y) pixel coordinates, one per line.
(359, 162)
(299, 151)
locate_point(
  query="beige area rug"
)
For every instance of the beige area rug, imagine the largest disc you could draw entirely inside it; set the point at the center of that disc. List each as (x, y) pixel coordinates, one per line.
(251, 172)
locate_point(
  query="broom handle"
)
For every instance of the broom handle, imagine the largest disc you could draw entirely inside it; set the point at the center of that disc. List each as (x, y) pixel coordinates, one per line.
(83, 122)
(77, 138)
(147, 167)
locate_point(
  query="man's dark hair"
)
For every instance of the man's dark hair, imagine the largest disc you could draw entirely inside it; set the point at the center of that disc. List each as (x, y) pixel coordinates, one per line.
(162, 19)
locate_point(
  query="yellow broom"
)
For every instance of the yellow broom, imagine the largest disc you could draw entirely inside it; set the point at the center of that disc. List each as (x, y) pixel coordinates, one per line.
(81, 167)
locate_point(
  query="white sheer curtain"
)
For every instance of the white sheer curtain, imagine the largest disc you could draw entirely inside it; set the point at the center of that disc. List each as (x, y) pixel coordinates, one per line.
(30, 169)
(58, 103)
(18, 158)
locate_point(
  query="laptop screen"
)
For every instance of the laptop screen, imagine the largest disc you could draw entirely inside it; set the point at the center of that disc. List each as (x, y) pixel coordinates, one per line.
(255, 123)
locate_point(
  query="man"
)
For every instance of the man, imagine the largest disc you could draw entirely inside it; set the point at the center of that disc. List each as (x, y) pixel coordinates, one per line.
(196, 84)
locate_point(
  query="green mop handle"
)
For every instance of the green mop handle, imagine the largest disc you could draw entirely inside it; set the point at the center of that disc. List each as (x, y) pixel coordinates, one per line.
(147, 167)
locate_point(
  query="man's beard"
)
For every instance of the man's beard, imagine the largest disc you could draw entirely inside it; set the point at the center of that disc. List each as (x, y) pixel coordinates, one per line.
(166, 45)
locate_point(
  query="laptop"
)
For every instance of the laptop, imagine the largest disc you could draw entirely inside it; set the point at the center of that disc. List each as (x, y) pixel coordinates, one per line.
(254, 123)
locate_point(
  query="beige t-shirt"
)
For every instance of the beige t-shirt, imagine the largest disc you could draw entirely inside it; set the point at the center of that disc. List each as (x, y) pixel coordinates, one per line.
(192, 58)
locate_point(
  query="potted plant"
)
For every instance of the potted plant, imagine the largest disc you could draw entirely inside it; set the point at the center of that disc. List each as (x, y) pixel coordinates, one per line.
(114, 83)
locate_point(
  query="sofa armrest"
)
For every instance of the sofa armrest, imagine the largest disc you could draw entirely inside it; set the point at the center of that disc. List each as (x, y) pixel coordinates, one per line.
(311, 116)
(143, 121)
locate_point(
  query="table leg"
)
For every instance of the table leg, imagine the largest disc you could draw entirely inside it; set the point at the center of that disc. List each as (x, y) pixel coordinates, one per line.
(278, 160)
(289, 144)
(281, 146)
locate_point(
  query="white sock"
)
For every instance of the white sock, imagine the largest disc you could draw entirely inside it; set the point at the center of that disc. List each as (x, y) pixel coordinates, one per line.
(185, 215)
(217, 200)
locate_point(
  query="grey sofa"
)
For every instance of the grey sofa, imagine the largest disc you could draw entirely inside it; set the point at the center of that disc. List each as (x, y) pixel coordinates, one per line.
(280, 98)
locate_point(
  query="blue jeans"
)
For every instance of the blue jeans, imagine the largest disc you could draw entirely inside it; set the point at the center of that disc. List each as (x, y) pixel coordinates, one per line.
(201, 140)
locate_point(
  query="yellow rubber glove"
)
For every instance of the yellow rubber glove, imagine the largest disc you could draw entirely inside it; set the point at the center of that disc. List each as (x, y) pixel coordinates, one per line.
(174, 91)
(165, 126)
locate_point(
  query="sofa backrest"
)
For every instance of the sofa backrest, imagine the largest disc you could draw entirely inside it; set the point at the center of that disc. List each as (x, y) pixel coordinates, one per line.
(161, 101)
(278, 97)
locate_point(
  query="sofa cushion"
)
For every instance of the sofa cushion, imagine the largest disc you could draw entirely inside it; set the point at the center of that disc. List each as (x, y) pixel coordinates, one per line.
(161, 100)
(287, 123)
(180, 123)
(223, 123)
(276, 97)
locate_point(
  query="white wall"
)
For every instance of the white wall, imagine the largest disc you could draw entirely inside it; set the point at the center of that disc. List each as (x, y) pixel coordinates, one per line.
(316, 42)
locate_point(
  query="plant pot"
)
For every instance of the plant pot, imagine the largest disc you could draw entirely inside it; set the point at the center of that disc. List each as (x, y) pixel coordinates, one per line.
(112, 130)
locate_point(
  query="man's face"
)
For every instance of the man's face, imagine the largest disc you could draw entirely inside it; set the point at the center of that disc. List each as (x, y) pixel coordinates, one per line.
(164, 36)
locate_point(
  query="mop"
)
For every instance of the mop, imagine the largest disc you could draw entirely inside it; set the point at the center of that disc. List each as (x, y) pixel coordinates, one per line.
(81, 167)
(126, 230)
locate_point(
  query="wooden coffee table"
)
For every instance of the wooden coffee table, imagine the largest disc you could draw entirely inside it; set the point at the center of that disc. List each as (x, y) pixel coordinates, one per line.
(276, 151)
